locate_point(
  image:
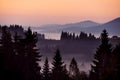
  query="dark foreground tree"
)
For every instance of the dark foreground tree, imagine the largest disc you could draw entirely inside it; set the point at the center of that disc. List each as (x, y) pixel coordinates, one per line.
(32, 56)
(58, 70)
(101, 67)
(74, 72)
(116, 62)
(46, 72)
(83, 76)
(8, 57)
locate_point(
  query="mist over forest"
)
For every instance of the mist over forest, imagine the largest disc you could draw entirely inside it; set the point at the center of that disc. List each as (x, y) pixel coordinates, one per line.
(28, 55)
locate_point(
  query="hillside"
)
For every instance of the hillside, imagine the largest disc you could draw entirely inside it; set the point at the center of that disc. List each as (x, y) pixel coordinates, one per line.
(113, 27)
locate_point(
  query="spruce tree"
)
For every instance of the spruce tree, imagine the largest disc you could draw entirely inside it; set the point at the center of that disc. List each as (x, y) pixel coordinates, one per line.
(2, 58)
(8, 55)
(19, 51)
(7, 47)
(16, 42)
(101, 63)
(73, 36)
(46, 72)
(58, 67)
(32, 56)
(83, 76)
(116, 62)
(65, 73)
(62, 35)
(74, 70)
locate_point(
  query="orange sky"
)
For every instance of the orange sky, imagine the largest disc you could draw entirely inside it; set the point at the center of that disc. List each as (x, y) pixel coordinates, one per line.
(36, 12)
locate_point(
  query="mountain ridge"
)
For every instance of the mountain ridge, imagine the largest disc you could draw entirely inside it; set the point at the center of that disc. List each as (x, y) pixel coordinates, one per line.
(88, 26)
(113, 27)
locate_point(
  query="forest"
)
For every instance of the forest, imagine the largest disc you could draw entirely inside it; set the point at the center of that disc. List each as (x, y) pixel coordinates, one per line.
(20, 58)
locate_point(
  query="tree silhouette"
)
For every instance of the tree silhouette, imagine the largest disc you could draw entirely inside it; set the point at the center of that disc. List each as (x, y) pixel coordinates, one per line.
(73, 36)
(46, 72)
(116, 62)
(65, 73)
(58, 67)
(64, 35)
(32, 56)
(74, 70)
(83, 35)
(19, 50)
(83, 76)
(91, 37)
(8, 56)
(101, 63)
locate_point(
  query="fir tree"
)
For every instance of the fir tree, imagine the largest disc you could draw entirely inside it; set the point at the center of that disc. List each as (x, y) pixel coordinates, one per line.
(83, 35)
(101, 63)
(46, 72)
(62, 36)
(74, 70)
(73, 36)
(116, 62)
(32, 56)
(65, 73)
(58, 67)
(83, 75)
(8, 55)
(19, 51)
(16, 39)
(7, 46)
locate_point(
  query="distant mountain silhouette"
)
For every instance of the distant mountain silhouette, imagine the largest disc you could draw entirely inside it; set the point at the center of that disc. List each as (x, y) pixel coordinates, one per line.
(80, 26)
(113, 27)
(83, 24)
(70, 27)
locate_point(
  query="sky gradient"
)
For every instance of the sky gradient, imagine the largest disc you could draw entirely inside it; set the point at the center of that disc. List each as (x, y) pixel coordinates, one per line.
(37, 12)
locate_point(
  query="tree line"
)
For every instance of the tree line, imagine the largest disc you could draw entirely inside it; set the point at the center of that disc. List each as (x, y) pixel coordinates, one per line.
(20, 31)
(73, 36)
(20, 58)
(82, 36)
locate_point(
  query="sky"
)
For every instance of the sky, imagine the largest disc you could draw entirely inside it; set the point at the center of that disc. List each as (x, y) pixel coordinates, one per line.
(39, 12)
